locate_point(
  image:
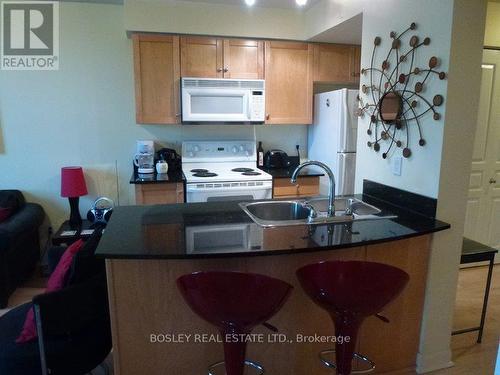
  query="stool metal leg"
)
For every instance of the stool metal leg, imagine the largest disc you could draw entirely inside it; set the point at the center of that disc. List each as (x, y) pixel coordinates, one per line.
(357, 356)
(252, 364)
(485, 301)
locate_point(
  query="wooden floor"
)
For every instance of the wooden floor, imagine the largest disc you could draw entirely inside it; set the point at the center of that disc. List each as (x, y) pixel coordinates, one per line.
(469, 358)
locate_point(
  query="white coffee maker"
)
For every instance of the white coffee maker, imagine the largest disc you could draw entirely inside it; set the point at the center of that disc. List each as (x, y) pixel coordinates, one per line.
(144, 158)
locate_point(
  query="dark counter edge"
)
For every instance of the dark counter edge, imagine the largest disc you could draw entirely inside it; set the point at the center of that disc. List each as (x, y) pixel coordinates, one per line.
(442, 226)
(173, 178)
(402, 200)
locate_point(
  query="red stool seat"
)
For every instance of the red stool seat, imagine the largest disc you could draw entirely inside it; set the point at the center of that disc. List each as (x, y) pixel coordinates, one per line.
(235, 303)
(350, 292)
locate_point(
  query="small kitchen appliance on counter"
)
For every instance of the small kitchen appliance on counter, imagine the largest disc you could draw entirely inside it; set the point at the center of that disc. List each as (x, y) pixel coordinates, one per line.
(144, 158)
(222, 171)
(275, 159)
(172, 158)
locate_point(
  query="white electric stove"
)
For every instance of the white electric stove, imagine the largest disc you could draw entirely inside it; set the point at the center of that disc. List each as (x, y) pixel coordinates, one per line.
(226, 170)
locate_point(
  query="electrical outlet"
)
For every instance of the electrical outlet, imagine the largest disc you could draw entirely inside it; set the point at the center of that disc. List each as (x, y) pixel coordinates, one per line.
(396, 164)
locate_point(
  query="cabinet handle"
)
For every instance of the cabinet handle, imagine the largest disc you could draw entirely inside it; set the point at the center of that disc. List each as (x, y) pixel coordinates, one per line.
(177, 115)
(267, 116)
(493, 181)
(226, 69)
(219, 70)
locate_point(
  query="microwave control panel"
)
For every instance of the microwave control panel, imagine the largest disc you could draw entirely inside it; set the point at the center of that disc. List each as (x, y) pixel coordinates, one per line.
(257, 107)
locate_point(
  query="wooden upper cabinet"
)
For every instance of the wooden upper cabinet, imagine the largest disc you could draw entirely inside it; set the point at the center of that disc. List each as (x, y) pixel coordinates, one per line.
(336, 63)
(243, 59)
(289, 82)
(156, 71)
(356, 63)
(201, 57)
(209, 57)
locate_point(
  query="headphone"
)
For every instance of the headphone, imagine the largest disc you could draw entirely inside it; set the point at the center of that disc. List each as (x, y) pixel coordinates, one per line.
(101, 212)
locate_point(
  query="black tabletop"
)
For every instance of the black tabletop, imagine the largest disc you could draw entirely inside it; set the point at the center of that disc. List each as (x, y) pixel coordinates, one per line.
(473, 247)
(222, 229)
(155, 178)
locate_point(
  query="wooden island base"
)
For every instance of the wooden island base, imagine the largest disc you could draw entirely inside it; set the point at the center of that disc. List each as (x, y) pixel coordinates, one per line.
(144, 300)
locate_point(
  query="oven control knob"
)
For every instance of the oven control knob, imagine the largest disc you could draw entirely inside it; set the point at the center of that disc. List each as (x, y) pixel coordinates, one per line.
(235, 149)
(191, 154)
(247, 153)
(196, 148)
(242, 148)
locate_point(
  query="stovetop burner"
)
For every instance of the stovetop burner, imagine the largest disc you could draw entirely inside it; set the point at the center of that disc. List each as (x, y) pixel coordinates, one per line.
(242, 170)
(199, 170)
(251, 173)
(205, 174)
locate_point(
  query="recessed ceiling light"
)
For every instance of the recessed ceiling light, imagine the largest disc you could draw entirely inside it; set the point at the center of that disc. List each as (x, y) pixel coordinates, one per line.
(251, 2)
(301, 2)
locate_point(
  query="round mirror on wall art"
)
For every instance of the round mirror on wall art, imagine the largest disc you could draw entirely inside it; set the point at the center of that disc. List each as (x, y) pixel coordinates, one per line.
(391, 107)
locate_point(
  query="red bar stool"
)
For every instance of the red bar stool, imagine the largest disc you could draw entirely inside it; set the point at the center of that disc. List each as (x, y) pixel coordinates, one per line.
(350, 292)
(236, 303)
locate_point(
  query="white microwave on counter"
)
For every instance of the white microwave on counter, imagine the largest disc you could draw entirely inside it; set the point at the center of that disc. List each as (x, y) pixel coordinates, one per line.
(209, 100)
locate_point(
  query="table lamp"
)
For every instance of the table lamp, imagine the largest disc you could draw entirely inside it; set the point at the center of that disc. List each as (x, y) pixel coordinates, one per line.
(73, 187)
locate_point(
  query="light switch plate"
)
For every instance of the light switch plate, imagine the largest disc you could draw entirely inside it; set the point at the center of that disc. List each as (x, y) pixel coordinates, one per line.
(396, 163)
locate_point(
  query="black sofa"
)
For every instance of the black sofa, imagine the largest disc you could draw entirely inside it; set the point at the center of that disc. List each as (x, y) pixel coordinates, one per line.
(19, 243)
(73, 324)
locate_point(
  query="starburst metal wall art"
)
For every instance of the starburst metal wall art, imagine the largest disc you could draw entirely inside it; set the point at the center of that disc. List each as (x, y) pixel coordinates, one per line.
(395, 94)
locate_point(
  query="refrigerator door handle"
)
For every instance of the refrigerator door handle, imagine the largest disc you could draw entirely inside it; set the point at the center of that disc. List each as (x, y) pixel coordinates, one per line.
(341, 173)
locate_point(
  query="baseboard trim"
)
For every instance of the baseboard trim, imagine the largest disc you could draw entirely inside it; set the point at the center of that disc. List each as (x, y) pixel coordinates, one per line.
(435, 361)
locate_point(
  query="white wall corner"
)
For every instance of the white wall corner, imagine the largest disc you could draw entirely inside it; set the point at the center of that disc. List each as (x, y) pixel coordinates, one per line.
(428, 362)
(467, 35)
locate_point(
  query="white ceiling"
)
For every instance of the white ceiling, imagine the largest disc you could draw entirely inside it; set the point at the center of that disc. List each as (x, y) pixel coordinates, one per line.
(284, 4)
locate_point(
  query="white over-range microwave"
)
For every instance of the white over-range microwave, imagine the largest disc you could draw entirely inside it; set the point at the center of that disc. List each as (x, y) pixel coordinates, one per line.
(209, 100)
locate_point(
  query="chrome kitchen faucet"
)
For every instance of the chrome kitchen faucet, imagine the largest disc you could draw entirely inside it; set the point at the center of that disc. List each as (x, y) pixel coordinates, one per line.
(331, 177)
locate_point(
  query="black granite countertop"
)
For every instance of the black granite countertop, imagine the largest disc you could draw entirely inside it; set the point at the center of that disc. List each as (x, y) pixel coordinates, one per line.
(287, 172)
(155, 178)
(222, 229)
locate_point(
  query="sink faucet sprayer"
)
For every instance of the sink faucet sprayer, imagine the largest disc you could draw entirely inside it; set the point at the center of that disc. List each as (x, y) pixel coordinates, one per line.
(331, 177)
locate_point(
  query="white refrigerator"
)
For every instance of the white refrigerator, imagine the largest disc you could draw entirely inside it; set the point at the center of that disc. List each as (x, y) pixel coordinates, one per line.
(332, 137)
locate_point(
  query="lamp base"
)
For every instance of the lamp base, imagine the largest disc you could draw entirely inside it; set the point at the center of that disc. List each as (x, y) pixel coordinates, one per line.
(75, 220)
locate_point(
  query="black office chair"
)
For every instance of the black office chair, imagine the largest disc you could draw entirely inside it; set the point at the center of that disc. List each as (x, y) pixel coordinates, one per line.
(73, 326)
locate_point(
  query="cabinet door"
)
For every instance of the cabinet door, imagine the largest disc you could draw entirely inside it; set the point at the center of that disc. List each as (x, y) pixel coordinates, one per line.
(201, 57)
(356, 64)
(305, 187)
(156, 71)
(159, 193)
(289, 82)
(333, 63)
(243, 59)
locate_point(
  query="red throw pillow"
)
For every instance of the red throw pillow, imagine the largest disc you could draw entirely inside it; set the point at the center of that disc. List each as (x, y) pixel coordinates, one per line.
(5, 213)
(56, 282)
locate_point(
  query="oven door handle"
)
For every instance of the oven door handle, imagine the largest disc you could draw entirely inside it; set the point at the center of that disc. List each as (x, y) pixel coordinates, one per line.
(228, 189)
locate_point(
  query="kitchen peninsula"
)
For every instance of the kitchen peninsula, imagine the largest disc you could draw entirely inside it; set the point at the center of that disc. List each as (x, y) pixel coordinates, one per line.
(148, 247)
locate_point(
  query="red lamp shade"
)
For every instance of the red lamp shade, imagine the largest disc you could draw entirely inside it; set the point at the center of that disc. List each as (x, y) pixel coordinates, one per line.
(72, 182)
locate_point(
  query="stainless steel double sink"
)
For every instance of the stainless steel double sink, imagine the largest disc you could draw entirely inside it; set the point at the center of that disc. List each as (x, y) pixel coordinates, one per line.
(311, 211)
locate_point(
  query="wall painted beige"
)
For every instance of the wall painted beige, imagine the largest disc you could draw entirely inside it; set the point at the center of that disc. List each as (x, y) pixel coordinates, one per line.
(229, 20)
(492, 33)
(213, 19)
